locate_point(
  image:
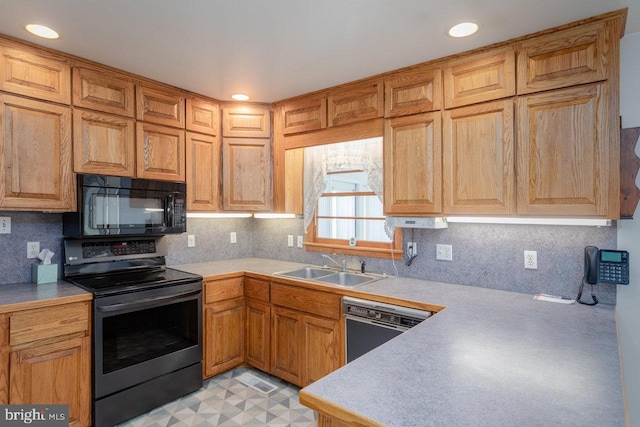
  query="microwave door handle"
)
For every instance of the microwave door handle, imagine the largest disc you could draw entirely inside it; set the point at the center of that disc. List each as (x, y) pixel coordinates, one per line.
(168, 211)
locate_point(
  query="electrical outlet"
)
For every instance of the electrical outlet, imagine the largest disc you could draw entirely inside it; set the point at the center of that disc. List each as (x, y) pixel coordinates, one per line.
(300, 240)
(5, 225)
(232, 237)
(444, 252)
(531, 260)
(191, 240)
(412, 249)
(33, 249)
(290, 240)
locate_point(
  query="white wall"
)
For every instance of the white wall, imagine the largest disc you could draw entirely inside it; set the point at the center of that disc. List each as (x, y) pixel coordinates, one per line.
(628, 299)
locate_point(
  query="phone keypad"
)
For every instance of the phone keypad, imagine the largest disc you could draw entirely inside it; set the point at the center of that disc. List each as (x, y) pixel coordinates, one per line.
(613, 272)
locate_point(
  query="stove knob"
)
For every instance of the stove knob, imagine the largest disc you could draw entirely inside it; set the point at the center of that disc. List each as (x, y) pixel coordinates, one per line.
(378, 316)
(371, 313)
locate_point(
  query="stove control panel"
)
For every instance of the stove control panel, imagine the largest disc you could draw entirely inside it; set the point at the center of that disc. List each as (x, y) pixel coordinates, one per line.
(92, 250)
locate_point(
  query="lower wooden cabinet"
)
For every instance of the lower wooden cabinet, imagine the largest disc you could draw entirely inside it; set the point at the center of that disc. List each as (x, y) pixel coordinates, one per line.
(292, 332)
(55, 373)
(45, 358)
(224, 336)
(286, 337)
(258, 334)
(323, 347)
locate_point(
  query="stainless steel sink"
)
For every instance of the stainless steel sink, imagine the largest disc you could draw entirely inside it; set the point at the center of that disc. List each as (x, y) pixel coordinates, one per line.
(306, 273)
(344, 278)
(325, 275)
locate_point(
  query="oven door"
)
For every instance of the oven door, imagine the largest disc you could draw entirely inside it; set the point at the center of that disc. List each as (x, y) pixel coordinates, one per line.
(141, 335)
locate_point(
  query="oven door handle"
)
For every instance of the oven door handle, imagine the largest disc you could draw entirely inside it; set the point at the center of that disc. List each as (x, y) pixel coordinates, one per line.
(145, 302)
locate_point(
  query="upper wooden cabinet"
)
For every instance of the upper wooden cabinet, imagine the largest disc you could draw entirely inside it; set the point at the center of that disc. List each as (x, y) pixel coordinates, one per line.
(356, 103)
(160, 105)
(478, 159)
(412, 165)
(39, 76)
(564, 59)
(103, 144)
(160, 152)
(203, 172)
(246, 174)
(567, 153)
(480, 77)
(103, 91)
(203, 116)
(246, 122)
(417, 91)
(294, 177)
(305, 115)
(36, 171)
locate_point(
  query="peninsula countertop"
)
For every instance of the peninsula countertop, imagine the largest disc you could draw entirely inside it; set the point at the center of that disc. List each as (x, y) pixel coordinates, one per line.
(490, 358)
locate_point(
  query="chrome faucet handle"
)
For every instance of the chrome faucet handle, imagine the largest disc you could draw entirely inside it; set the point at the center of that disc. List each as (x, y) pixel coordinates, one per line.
(344, 265)
(334, 261)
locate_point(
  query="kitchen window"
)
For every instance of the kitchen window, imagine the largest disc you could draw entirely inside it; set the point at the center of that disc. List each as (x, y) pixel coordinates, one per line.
(343, 200)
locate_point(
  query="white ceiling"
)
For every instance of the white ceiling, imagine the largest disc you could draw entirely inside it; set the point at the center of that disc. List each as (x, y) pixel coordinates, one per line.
(276, 49)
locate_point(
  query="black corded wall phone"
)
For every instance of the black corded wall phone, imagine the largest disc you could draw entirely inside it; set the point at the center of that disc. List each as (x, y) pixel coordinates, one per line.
(604, 266)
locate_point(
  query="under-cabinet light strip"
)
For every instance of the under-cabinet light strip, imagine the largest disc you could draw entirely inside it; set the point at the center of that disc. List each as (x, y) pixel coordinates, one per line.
(217, 215)
(532, 221)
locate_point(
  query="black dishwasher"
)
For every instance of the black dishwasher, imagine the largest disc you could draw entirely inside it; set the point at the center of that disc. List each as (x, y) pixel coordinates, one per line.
(370, 324)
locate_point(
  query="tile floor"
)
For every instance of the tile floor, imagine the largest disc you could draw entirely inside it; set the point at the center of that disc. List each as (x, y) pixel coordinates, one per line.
(226, 402)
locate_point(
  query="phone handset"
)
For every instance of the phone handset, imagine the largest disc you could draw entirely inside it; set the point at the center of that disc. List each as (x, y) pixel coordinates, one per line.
(590, 273)
(591, 265)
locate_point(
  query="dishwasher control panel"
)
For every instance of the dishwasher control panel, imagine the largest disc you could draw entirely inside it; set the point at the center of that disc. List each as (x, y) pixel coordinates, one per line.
(390, 315)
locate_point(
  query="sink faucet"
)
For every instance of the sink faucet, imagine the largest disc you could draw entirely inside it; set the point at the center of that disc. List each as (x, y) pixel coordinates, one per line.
(344, 262)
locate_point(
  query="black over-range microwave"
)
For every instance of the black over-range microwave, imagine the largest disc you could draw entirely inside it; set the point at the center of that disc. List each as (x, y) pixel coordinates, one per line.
(111, 205)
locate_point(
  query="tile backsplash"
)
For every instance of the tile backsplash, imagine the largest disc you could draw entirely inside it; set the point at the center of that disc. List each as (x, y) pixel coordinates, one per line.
(486, 255)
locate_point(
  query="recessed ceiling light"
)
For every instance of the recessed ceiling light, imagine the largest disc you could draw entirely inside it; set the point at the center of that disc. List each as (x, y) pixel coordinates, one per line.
(42, 31)
(463, 29)
(240, 97)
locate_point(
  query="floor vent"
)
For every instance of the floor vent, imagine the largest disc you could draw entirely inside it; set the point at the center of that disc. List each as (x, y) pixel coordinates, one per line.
(256, 383)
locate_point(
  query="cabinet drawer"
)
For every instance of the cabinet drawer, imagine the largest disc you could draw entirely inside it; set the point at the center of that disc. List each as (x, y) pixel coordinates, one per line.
(33, 325)
(256, 289)
(306, 300)
(220, 290)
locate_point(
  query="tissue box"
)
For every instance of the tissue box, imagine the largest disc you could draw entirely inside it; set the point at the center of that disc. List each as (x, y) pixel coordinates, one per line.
(41, 273)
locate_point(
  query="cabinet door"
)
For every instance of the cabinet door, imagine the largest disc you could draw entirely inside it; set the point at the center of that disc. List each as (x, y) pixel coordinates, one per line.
(357, 103)
(103, 91)
(246, 122)
(203, 116)
(294, 177)
(57, 373)
(246, 174)
(286, 345)
(305, 115)
(258, 334)
(567, 159)
(103, 144)
(478, 159)
(36, 164)
(323, 348)
(563, 59)
(223, 336)
(412, 92)
(203, 172)
(160, 105)
(412, 165)
(38, 76)
(479, 78)
(160, 152)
